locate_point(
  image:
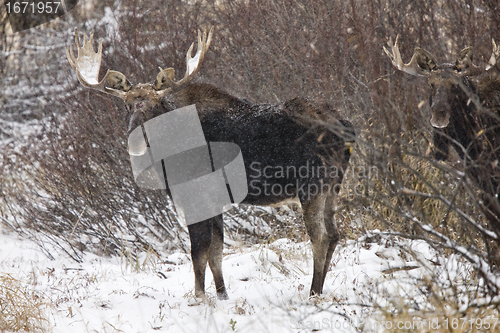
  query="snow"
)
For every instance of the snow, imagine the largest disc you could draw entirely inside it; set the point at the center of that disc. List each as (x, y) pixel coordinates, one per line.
(110, 22)
(268, 286)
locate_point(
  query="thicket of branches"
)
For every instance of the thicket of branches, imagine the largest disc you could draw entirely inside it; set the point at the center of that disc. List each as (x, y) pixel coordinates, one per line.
(70, 180)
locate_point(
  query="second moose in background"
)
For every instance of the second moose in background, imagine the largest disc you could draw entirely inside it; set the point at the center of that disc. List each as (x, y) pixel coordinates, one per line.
(465, 113)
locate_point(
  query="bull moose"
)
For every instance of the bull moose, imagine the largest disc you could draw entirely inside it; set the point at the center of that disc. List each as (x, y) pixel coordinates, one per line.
(298, 133)
(465, 111)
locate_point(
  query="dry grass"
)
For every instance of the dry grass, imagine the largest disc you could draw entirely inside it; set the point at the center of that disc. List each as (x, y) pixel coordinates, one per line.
(22, 309)
(407, 182)
(443, 315)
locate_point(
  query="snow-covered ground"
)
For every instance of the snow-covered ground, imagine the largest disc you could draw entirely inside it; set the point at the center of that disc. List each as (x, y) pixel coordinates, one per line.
(268, 287)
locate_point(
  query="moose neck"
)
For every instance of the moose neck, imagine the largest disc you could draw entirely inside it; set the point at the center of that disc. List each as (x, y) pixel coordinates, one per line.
(464, 118)
(206, 97)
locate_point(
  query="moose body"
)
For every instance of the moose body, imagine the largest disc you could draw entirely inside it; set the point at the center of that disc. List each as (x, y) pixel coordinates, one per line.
(298, 135)
(465, 110)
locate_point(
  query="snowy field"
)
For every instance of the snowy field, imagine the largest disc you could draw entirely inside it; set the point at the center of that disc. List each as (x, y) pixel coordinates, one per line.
(268, 287)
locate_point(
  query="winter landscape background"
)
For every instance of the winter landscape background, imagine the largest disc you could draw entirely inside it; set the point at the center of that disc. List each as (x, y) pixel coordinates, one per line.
(84, 249)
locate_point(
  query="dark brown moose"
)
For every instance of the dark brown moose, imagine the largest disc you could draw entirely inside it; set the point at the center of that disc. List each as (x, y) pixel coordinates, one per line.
(465, 110)
(297, 134)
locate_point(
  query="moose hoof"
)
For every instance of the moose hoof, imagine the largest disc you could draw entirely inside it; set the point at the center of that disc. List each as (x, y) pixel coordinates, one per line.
(222, 295)
(197, 300)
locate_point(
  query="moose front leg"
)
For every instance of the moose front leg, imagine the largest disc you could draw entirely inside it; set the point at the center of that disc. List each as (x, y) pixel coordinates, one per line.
(207, 240)
(215, 256)
(200, 235)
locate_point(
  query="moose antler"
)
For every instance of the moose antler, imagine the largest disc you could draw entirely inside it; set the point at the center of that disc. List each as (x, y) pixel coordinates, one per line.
(495, 54)
(88, 62)
(421, 63)
(87, 67)
(165, 83)
(465, 66)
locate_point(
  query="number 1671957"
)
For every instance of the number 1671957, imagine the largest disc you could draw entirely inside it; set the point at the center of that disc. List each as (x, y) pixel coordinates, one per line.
(33, 7)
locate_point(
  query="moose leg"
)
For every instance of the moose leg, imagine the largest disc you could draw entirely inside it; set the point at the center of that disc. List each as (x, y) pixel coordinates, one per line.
(314, 219)
(331, 229)
(215, 256)
(200, 235)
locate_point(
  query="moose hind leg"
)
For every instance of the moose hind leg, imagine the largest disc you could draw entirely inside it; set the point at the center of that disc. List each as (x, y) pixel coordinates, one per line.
(314, 209)
(215, 256)
(332, 231)
(200, 235)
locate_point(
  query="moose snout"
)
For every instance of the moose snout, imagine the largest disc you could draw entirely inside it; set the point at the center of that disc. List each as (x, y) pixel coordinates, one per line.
(440, 118)
(440, 109)
(136, 144)
(136, 119)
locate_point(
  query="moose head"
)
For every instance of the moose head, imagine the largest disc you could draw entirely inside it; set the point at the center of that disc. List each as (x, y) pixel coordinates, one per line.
(142, 99)
(449, 83)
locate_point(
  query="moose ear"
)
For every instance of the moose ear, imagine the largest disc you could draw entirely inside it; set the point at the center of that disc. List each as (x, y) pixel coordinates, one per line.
(464, 59)
(118, 81)
(425, 60)
(164, 79)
